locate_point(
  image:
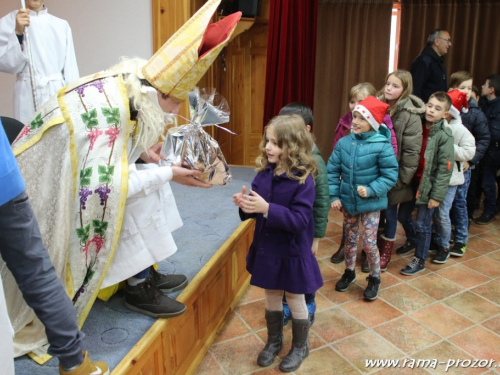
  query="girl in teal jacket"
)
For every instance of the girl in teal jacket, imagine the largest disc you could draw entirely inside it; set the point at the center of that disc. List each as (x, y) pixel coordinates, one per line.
(361, 170)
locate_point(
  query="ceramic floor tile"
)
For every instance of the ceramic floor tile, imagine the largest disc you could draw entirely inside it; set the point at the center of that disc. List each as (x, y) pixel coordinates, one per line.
(406, 298)
(485, 265)
(494, 255)
(322, 303)
(493, 324)
(402, 371)
(482, 246)
(491, 235)
(463, 276)
(326, 248)
(327, 271)
(472, 306)
(233, 327)
(435, 286)
(407, 334)
(469, 254)
(432, 317)
(209, 366)
(490, 291)
(367, 345)
(328, 291)
(443, 352)
(478, 229)
(271, 370)
(371, 313)
(238, 356)
(388, 280)
(333, 229)
(253, 293)
(434, 267)
(396, 267)
(479, 342)
(253, 314)
(325, 361)
(335, 324)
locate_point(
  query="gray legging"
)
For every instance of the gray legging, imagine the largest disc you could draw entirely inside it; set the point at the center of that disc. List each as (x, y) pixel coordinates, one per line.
(22, 250)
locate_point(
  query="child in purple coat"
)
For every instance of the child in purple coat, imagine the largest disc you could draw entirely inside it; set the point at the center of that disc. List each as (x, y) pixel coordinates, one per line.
(280, 258)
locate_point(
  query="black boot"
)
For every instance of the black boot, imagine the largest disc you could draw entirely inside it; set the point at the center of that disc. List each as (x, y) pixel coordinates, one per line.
(147, 299)
(371, 291)
(365, 267)
(300, 346)
(274, 343)
(339, 256)
(167, 283)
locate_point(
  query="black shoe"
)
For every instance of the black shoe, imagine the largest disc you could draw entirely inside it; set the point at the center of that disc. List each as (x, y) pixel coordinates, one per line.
(371, 291)
(416, 265)
(406, 248)
(458, 249)
(485, 219)
(168, 283)
(441, 256)
(347, 279)
(147, 299)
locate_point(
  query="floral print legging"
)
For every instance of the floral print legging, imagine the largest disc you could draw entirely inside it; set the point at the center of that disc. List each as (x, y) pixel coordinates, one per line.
(369, 220)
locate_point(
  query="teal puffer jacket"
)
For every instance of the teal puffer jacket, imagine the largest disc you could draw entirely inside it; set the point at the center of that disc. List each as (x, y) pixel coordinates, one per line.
(365, 159)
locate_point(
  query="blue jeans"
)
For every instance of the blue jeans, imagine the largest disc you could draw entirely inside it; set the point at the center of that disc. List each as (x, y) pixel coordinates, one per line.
(22, 250)
(442, 222)
(405, 212)
(489, 188)
(423, 228)
(144, 274)
(459, 213)
(391, 221)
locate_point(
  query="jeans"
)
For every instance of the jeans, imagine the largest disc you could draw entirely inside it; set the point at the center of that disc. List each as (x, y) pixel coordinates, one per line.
(442, 222)
(405, 212)
(459, 212)
(391, 221)
(489, 188)
(22, 250)
(423, 228)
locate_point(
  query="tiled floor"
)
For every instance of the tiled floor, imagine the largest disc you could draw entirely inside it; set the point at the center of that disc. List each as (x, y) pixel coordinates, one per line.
(449, 312)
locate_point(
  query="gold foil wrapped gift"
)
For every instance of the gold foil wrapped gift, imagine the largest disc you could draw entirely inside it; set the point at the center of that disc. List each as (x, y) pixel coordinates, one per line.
(190, 146)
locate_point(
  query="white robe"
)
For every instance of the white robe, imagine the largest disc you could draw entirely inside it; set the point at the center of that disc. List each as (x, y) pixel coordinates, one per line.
(149, 217)
(53, 57)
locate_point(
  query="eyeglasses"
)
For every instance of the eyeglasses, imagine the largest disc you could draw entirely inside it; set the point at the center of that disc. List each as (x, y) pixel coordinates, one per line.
(446, 40)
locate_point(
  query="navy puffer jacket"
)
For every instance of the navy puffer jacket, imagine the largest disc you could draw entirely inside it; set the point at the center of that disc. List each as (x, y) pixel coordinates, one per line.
(475, 121)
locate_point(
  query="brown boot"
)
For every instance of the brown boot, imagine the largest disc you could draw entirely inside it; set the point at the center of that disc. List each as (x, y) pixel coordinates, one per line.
(365, 267)
(339, 256)
(385, 247)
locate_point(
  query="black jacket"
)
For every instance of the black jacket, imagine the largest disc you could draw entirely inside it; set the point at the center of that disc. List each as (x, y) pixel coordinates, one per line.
(491, 109)
(475, 121)
(428, 73)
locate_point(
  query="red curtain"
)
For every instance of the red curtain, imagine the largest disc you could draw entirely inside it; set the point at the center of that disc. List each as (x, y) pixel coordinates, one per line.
(291, 54)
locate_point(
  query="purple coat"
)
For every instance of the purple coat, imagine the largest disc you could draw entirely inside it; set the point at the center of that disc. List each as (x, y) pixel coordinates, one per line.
(280, 256)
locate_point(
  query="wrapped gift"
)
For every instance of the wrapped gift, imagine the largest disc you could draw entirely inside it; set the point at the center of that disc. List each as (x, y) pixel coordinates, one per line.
(190, 146)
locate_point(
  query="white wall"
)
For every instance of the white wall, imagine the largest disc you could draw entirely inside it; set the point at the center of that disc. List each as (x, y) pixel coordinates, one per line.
(103, 30)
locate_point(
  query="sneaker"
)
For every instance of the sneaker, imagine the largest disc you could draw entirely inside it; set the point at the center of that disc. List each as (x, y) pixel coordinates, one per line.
(406, 248)
(86, 368)
(287, 314)
(168, 283)
(347, 279)
(416, 265)
(311, 307)
(485, 219)
(458, 249)
(441, 256)
(371, 291)
(147, 299)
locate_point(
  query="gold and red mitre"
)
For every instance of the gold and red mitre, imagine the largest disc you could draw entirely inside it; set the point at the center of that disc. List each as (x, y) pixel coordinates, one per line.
(180, 63)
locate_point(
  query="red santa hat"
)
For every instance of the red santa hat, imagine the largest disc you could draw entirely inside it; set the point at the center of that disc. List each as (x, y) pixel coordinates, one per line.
(458, 103)
(373, 111)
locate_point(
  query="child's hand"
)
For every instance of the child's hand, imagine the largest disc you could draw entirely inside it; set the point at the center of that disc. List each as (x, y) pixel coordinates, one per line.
(254, 204)
(239, 197)
(466, 166)
(315, 246)
(363, 193)
(337, 205)
(432, 204)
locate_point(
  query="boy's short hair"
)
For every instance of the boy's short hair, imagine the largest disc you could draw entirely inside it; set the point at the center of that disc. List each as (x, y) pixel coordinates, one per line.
(457, 78)
(298, 108)
(475, 90)
(367, 87)
(495, 83)
(443, 98)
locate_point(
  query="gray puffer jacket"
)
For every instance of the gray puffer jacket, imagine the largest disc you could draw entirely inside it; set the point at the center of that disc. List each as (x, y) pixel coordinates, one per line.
(408, 129)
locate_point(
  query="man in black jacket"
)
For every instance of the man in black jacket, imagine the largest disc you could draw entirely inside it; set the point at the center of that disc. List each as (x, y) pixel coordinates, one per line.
(490, 104)
(428, 70)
